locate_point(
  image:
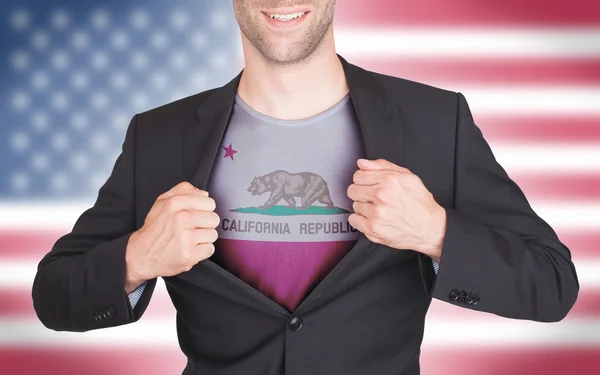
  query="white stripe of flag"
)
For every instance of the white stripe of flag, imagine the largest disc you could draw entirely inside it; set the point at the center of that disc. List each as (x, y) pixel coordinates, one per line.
(61, 217)
(469, 43)
(19, 274)
(161, 332)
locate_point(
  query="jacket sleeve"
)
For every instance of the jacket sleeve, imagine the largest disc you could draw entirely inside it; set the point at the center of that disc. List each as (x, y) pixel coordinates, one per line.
(498, 255)
(80, 283)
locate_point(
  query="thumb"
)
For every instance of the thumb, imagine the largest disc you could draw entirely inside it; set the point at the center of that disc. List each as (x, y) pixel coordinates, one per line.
(370, 165)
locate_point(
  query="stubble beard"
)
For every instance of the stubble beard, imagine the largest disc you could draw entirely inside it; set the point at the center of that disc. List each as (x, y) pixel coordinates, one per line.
(301, 50)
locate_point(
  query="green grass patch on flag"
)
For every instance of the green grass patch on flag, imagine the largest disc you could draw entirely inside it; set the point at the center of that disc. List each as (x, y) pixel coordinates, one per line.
(288, 211)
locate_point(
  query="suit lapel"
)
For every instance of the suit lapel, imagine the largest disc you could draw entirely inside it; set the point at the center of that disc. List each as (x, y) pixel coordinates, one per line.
(381, 127)
(201, 139)
(379, 121)
(379, 118)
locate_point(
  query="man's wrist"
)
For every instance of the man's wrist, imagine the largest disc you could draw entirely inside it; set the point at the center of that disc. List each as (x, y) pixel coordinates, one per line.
(131, 286)
(435, 241)
(133, 277)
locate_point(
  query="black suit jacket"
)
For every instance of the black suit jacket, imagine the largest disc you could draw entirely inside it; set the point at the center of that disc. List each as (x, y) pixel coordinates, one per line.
(367, 316)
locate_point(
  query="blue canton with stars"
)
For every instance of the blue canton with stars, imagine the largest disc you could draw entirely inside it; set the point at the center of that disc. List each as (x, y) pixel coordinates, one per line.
(74, 73)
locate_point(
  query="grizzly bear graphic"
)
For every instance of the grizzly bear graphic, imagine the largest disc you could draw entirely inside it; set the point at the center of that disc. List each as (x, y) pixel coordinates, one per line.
(310, 187)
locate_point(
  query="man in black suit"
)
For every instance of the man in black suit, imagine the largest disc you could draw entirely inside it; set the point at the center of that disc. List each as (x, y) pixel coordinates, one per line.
(427, 192)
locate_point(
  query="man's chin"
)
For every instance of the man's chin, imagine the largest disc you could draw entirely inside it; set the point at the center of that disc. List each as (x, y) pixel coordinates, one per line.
(290, 58)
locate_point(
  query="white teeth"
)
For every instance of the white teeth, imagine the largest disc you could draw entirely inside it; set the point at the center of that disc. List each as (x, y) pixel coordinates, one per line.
(286, 17)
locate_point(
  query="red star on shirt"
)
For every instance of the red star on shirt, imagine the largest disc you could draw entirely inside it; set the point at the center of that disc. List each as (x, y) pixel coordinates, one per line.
(229, 151)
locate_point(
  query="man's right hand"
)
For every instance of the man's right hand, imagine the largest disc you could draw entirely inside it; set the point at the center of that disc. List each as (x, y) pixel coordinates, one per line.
(178, 232)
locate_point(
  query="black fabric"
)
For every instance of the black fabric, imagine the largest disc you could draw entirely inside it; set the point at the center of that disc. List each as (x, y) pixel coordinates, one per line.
(367, 315)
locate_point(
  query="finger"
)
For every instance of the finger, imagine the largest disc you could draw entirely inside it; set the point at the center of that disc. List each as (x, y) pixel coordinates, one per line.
(203, 251)
(361, 193)
(205, 219)
(379, 164)
(190, 220)
(200, 203)
(189, 202)
(204, 235)
(363, 177)
(358, 222)
(364, 209)
(193, 194)
(182, 188)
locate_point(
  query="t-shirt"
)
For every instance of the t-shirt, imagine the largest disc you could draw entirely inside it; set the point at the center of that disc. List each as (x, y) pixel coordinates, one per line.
(280, 188)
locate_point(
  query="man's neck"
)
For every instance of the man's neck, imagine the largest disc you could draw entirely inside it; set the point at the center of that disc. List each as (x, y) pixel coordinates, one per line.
(293, 92)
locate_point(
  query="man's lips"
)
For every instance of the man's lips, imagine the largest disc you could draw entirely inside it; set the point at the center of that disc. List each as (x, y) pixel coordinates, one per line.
(288, 10)
(277, 23)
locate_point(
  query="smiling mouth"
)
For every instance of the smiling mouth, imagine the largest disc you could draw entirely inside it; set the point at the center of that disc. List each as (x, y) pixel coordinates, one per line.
(285, 17)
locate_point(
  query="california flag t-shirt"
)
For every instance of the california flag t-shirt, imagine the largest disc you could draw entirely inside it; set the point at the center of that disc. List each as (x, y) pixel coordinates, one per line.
(280, 188)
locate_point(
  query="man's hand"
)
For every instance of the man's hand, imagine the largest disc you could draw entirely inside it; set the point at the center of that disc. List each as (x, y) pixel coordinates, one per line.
(178, 232)
(393, 207)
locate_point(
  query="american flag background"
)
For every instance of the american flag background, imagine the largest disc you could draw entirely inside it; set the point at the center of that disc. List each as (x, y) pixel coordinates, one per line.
(74, 73)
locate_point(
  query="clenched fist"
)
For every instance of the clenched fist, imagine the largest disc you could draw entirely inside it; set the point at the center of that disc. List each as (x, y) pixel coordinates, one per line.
(178, 232)
(393, 207)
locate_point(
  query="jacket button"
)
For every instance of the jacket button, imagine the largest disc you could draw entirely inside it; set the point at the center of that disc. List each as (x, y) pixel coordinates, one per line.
(295, 323)
(461, 297)
(469, 299)
(105, 315)
(475, 299)
(98, 319)
(453, 296)
(112, 312)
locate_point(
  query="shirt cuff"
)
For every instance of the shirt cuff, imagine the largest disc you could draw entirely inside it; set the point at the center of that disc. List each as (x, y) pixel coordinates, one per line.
(436, 266)
(134, 296)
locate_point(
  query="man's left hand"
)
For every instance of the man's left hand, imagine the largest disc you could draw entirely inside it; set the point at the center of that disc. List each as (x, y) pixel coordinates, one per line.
(392, 207)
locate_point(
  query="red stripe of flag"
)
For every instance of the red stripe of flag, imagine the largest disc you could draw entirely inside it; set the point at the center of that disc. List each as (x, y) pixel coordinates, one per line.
(26, 243)
(557, 129)
(92, 361)
(517, 361)
(434, 361)
(567, 187)
(466, 13)
(520, 71)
